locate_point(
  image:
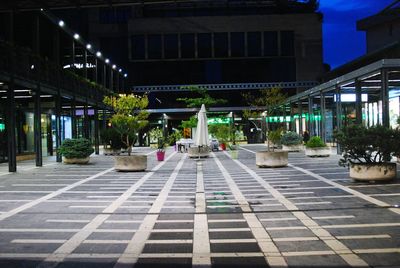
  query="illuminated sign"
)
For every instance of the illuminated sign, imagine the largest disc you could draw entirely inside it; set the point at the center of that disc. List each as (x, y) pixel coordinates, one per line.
(218, 120)
(2, 127)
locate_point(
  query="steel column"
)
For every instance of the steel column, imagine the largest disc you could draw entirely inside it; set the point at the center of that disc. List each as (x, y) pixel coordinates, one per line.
(10, 126)
(300, 110)
(310, 117)
(96, 130)
(385, 97)
(322, 122)
(73, 118)
(338, 114)
(38, 127)
(58, 125)
(358, 102)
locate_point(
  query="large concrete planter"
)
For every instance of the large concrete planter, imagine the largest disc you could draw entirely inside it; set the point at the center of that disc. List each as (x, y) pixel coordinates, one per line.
(272, 159)
(318, 152)
(80, 161)
(293, 148)
(198, 152)
(109, 151)
(373, 172)
(130, 162)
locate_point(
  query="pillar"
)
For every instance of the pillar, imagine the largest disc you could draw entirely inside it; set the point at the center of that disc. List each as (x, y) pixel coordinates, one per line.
(300, 110)
(338, 114)
(310, 117)
(58, 125)
(10, 126)
(322, 122)
(385, 97)
(358, 102)
(96, 130)
(38, 127)
(73, 118)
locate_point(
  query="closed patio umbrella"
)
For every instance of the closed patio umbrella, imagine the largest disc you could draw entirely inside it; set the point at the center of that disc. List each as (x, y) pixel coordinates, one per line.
(201, 137)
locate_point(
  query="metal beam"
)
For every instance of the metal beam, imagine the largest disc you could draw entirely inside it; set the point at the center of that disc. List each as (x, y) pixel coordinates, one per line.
(236, 86)
(38, 128)
(10, 126)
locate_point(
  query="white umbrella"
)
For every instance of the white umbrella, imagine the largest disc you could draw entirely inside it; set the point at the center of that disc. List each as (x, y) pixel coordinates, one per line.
(201, 137)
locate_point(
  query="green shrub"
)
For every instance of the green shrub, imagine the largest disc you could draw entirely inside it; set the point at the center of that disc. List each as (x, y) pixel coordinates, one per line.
(291, 138)
(368, 145)
(315, 142)
(110, 137)
(76, 148)
(274, 136)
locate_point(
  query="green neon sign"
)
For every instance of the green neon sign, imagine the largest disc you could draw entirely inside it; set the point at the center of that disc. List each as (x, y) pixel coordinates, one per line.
(2, 127)
(218, 120)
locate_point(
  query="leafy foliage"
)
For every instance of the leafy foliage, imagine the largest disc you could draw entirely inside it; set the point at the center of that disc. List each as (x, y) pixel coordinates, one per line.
(130, 116)
(291, 138)
(221, 131)
(274, 136)
(191, 123)
(111, 137)
(368, 145)
(202, 98)
(76, 148)
(315, 142)
(174, 136)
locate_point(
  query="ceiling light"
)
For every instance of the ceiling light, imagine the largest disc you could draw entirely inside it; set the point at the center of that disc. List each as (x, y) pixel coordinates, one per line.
(114, 66)
(61, 23)
(98, 54)
(76, 36)
(88, 46)
(120, 70)
(107, 61)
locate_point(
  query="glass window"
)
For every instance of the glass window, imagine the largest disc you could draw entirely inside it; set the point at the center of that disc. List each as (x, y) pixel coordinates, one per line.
(221, 44)
(154, 46)
(171, 46)
(254, 44)
(270, 43)
(287, 43)
(237, 44)
(138, 47)
(187, 45)
(204, 45)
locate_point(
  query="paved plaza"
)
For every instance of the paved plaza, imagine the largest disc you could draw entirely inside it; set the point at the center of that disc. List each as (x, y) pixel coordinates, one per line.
(214, 212)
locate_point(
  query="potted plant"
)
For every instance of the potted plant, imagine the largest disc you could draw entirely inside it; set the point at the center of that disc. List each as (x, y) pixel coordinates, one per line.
(272, 158)
(76, 151)
(292, 142)
(129, 118)
(368, 151)
(315, 147)
(234, 151)
(111, 141)
(221, 132)
(161, 143)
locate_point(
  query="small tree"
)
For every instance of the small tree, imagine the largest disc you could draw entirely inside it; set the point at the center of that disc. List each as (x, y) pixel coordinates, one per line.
(202, 98)
(265, 100)
(129, 118)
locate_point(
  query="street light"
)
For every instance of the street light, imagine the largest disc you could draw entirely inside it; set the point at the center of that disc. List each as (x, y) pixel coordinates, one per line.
(76, 36)
(114, 66)
(61, 23)
(107, 61)
(88, 46)
(125, 75)
(120, 70)
(98, 54)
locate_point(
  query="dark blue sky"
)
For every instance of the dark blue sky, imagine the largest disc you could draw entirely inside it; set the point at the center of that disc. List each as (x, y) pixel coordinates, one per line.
(342, 41)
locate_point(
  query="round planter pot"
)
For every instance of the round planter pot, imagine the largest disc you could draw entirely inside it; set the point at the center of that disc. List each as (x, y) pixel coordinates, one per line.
(293, 148)
(198, 152)
(80, 161)
(109, 151)
(318, 152)
(373, 172)
(160, 156)
(234, 154)
(272, 159)
(130, 162)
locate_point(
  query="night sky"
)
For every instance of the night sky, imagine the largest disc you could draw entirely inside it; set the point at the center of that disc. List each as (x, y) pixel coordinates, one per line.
(342, 41)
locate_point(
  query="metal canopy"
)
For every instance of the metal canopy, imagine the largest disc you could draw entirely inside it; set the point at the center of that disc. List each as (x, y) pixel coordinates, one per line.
(361, 73)
(24, 5)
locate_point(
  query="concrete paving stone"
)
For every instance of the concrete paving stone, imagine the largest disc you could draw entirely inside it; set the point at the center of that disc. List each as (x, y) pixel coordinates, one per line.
(331, 261)
(106, 248)
(173, 225)
(18, 263)
(234, 247)
(225, 216)
(231, 235)
(168, 248)
(371, 243)
(116, 226)
(294, 246)
(177, 210)
(224, 210)
(87, 263)
(382, 259)
(171, 236)
(164, 263)
(242, 262)
(27, 248)
(291, 223)
(177, 216)
(111, 236)
(227, 225)
(290, 233)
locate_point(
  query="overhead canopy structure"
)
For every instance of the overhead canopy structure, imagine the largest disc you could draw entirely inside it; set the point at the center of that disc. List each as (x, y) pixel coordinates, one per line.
(21, 5)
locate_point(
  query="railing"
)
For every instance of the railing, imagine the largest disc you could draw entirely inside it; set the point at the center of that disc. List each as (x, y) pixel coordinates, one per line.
(25, 65)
